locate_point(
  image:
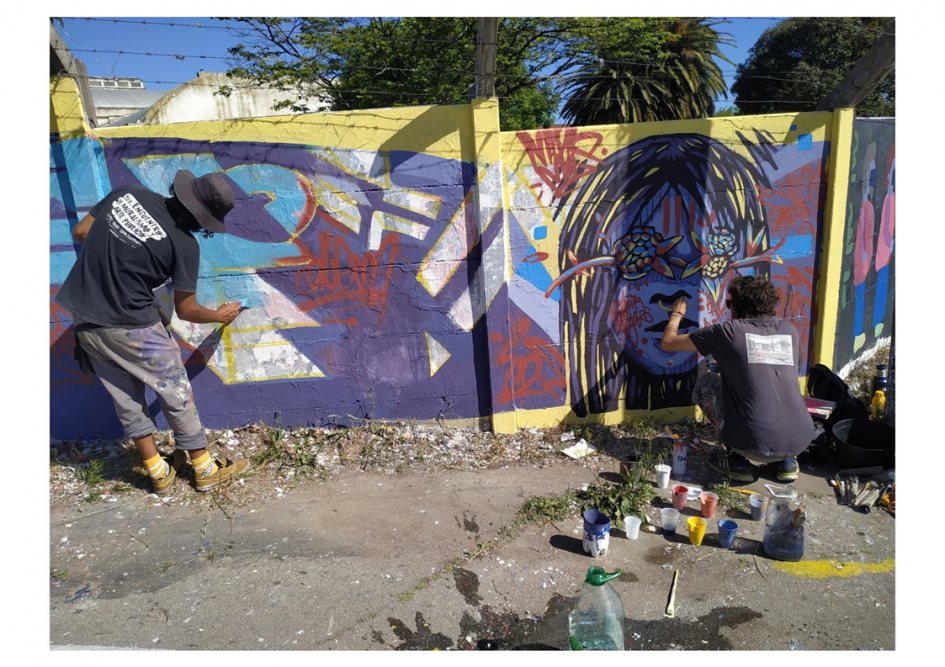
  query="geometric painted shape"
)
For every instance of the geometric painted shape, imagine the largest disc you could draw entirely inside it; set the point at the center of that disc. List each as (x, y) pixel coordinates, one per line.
(288, 191)
(540, 233)
(448, 253)
(156, 173)
(437, 353)
(381, 222)
(805, 142)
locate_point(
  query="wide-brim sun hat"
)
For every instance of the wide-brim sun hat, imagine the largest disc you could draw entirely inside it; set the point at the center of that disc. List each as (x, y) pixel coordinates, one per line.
(209, 198)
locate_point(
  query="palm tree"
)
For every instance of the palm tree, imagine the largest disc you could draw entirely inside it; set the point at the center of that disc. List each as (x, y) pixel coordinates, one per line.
(681, 80)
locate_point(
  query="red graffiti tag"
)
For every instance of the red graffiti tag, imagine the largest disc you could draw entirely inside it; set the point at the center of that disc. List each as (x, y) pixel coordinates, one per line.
(332, 273)
(793, 203)
(796, 304)
(558, 160)
(627, 314)
(532, 367)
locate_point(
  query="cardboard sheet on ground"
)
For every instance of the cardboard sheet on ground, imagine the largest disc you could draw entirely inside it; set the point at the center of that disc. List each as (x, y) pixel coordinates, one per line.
(579, 450)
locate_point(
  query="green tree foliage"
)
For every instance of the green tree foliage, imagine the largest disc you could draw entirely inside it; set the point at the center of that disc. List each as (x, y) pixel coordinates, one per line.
(797, 62)
(384, 62)
(661, 69)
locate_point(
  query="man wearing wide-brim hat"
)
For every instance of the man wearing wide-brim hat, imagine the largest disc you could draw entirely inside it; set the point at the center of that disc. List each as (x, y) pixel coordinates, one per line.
(134, 241)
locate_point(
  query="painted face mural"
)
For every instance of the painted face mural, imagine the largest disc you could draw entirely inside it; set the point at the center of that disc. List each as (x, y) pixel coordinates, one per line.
(666, 217)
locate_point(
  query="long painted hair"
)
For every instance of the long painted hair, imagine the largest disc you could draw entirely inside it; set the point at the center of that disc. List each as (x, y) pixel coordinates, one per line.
(605, 239)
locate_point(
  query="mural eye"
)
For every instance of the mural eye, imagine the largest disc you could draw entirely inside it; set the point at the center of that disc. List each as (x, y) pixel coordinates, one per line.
(721, 242)
(636, 251)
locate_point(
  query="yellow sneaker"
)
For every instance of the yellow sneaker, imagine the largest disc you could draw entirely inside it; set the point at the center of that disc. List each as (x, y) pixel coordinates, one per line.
(174, 462)
(220, 470)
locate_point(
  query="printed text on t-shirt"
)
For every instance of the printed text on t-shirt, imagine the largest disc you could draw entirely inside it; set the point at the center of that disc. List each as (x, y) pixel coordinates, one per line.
(134, 222)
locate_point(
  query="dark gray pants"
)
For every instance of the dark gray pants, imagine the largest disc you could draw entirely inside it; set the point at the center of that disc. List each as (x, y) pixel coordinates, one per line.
(707, 394)
(127, 361)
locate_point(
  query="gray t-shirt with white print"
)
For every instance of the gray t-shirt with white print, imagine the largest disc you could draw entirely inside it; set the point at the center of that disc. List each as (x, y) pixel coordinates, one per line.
(762, 407)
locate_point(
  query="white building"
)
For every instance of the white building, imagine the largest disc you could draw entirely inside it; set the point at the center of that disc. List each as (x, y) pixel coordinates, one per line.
(196, 101)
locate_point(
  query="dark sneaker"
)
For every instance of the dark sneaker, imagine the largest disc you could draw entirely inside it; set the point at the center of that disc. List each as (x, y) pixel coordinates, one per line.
(734, 466)
(788, 469)
(173, 463)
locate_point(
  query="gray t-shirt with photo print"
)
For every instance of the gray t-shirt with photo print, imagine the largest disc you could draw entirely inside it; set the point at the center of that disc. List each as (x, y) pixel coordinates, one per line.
(762, 407)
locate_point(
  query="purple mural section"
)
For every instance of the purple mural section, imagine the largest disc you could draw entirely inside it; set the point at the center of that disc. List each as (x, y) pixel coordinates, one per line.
(369, 294)
(327, 251)
(668, 216)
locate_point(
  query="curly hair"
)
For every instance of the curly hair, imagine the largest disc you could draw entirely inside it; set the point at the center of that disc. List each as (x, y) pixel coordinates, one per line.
(752, 296)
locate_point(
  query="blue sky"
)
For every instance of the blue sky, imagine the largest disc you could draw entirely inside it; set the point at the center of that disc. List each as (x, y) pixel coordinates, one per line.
(184, 42)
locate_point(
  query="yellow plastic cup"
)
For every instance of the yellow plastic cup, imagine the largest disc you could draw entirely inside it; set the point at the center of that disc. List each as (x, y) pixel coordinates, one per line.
(696, 530)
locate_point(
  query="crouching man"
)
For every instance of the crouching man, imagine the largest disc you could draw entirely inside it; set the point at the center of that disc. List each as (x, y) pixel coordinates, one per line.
(754, 400)
(134, 241)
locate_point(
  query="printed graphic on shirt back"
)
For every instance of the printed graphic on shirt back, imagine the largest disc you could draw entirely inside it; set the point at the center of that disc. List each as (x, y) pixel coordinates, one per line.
(775, 350)
(130, 223)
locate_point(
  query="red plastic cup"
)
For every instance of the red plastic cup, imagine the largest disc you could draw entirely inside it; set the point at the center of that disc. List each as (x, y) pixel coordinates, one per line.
(708, 502)
(680, 495)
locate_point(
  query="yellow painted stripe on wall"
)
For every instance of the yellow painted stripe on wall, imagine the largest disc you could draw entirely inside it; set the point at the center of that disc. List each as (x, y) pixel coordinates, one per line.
(831, 258)
(66, 115)
(444, 131)
(508, 422)
(821, 569)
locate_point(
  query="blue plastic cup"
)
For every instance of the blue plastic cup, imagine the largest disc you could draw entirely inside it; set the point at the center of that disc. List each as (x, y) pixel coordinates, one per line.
(596, 533)
(727, 530)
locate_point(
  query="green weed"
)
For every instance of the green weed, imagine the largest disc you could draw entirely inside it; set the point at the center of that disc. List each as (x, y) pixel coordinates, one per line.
(92, 473)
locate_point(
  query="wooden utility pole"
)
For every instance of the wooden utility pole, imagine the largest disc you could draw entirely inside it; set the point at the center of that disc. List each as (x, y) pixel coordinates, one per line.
(486, 39)
(875, 65)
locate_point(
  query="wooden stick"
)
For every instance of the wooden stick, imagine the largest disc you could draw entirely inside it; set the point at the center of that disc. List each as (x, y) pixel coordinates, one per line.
(671, 607)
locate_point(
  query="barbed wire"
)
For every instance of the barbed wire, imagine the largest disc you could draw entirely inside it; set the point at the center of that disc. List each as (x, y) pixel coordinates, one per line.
(500, 76)
(325, 93)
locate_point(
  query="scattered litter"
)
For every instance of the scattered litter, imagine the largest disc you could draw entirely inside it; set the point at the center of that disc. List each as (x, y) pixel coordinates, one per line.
(579, 450)
(568, 437)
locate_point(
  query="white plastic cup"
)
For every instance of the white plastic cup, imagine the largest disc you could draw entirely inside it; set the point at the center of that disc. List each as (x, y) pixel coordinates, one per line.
(758, 503)
(680, 450)
(632, 526)
(670, 519)
(662, 476)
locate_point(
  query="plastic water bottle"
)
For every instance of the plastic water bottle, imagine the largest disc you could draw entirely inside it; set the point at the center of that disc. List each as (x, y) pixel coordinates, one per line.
(596, 624)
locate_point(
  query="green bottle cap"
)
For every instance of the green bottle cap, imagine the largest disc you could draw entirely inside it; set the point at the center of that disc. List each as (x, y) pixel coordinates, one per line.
(597, 577)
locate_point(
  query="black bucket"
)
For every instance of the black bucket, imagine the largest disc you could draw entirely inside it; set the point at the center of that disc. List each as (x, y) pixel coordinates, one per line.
(862, 443)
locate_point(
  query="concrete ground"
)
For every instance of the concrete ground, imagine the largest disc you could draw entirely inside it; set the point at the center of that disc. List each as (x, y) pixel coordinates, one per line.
(364, 562)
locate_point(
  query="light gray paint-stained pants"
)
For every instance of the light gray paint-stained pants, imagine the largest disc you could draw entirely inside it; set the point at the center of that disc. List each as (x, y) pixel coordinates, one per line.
(127, 361)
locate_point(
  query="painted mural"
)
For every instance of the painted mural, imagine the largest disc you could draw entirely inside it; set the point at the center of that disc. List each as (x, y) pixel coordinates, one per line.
(867, 293)
(449, 271)
(606, 236)
(353, 267)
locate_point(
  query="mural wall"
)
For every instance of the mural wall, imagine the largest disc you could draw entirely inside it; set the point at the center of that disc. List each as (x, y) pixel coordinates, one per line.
(867, 293)
(417, 264)
(610, 225)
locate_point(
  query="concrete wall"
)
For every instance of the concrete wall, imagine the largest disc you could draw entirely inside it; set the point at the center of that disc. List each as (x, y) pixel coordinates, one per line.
(868, 288)
(196, 101)
(416, 263)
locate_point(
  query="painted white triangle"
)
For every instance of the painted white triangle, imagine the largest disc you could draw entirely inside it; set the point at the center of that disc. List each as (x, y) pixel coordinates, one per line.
(438, 354)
